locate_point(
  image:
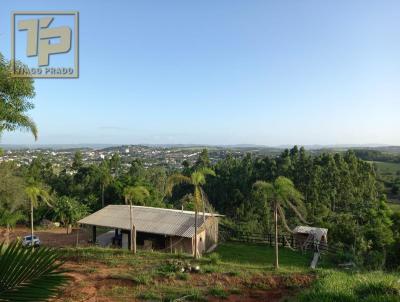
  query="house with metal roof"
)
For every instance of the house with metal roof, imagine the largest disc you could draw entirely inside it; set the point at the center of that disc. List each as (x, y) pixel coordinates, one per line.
(156, 228)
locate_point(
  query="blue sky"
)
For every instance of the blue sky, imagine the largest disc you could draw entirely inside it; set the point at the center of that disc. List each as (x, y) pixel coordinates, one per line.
(223, 72)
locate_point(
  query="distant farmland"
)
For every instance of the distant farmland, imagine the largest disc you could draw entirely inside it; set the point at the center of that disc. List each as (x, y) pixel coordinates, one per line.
(389, 175)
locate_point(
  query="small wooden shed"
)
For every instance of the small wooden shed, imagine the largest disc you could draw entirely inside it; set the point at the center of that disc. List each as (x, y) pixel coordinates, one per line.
(306, 236)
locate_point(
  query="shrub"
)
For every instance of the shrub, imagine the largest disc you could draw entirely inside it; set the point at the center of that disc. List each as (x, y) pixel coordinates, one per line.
(170, 266)
(208, 269)
(218, 292)
(149, 296)
(374, 260)
(142, 279)
(182, 276)
(214, 258)
(341, 257)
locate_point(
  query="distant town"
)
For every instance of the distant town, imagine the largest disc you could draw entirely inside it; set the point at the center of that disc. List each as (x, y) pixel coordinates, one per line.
(171, 157)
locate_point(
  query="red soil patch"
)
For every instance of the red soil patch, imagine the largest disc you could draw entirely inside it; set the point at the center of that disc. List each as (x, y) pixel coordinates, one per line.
(54, 237)
(90, 286)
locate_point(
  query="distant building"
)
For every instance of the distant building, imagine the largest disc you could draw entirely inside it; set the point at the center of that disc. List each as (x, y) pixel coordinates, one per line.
(306, 236)
(157, 228)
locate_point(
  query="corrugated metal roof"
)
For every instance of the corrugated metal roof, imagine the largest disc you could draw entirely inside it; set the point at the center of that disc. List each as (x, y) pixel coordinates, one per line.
(146, 219)
(309, 230)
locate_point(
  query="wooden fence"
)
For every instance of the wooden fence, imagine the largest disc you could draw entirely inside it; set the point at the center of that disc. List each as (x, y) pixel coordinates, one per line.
(284, 240)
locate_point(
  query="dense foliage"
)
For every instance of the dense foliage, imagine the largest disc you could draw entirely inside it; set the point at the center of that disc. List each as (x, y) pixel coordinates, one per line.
(339, 191)
(15, 95)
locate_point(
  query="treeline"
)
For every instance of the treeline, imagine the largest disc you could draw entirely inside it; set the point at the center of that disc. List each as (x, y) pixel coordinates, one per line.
(339, 191)
(375, 155)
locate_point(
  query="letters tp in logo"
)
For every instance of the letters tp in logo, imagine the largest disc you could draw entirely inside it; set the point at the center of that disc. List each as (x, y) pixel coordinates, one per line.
(39, 39)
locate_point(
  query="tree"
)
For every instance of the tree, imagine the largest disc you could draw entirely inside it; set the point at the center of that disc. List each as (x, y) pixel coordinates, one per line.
(35, 194)
(14, 100)
(132, 195)
(197, 179)
(68, 210)
(203, 161)
(77, 162)
(11, 197)
(29, 275)
(282, 194)
(105, 179)
(9, 219)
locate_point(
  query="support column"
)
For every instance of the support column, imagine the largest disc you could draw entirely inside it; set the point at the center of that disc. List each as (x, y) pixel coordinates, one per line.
(134, 238)
(77, 235)
(94, 234)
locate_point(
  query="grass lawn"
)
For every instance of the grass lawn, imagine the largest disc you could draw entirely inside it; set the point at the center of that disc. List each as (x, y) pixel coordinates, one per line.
(339, 286)
(234, 271)
(262, 256)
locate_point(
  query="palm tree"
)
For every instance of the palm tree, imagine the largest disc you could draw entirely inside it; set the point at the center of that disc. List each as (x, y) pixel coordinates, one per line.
(282, 194)
(136, 194)
(197, 179)
(9, 219)
(36, 193)
(29, 275)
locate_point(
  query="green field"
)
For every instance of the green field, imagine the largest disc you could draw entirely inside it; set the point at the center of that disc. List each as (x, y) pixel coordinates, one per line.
(233, 269)
(389, 175)
(387, 168)
(394, 206)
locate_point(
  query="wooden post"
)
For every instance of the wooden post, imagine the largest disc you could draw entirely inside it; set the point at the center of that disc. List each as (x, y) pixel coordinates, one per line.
(195, 234)
(134, 238)
(77, 236)
(132, 231)
(276, 236)
(32, 245)
(170, 243)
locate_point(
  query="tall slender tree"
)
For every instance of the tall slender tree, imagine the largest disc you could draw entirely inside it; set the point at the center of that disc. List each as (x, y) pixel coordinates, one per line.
(197, 179)
(105, 179)
(282, 194)
(36, 193)
(134, 194)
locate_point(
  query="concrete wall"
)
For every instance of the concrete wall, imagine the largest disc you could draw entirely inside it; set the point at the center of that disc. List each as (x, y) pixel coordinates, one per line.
(201, 242)
(125, 240)
(211, 228)
(179, 244)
